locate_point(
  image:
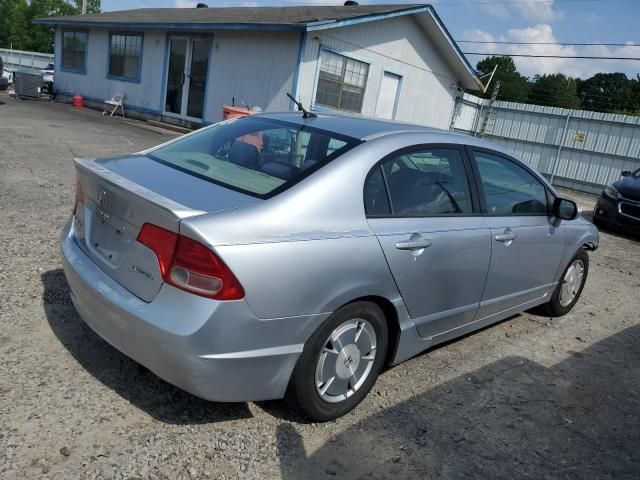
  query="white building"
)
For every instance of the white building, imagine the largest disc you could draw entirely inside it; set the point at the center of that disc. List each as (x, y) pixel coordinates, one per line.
(387, 61)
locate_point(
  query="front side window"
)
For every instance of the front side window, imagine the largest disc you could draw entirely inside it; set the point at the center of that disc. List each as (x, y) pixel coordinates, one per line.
(254, 155)
(74, 49)
(425, 182)
(509, 189)
(125, 55)
(341, 82)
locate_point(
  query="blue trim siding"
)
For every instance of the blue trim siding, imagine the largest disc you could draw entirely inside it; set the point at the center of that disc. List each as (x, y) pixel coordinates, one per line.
(138, 77)
(453, 43)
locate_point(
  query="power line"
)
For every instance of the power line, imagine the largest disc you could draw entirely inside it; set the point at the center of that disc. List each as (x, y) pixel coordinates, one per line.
(553, 43)
(579, 57)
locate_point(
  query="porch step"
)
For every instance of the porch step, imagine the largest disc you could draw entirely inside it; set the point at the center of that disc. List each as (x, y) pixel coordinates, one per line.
(169, 126)
(152, 128)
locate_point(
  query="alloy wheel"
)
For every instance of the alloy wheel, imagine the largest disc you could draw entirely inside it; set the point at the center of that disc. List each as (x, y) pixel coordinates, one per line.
(346, 360)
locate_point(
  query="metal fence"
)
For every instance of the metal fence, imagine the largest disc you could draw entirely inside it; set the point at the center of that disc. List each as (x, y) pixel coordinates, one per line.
(573, 148)
(17, 59)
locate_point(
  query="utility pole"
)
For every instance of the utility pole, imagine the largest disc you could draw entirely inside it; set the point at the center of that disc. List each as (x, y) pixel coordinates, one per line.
(84, 7)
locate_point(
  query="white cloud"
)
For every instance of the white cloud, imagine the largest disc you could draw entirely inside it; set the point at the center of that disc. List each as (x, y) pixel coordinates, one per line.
(185, 3)
(536, 12)
(495, 10)
(543, 33)
(539, 12)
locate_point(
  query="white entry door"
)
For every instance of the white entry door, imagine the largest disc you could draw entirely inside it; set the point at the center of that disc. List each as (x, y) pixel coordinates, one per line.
(388, 98)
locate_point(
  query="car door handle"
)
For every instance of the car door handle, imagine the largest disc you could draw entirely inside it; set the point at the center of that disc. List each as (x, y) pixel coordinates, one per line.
(507, 236)
(413, 244)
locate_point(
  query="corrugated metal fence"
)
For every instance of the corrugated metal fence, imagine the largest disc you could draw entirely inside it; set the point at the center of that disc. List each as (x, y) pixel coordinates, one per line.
(16, 59)
(577, 149)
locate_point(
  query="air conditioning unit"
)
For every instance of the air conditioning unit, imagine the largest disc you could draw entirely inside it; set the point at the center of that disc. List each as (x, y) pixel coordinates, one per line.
(28, 83)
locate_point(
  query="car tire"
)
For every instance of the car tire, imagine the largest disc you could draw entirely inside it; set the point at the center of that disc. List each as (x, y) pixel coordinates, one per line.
(562, 301)
(328, 352)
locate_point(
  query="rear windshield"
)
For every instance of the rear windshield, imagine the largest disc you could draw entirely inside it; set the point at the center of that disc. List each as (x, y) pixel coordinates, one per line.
(257, 156)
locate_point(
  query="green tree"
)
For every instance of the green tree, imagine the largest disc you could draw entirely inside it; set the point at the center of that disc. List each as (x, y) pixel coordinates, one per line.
(6, 6)
(20, 25)
(514, 87)
(610, 92)
(24, 34)
(555, 90)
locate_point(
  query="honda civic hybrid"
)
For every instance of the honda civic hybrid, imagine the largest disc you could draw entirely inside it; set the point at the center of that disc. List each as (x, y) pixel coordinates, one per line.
(288, 256)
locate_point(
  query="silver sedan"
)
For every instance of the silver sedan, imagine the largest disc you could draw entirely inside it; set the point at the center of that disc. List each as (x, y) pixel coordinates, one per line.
(279, 256)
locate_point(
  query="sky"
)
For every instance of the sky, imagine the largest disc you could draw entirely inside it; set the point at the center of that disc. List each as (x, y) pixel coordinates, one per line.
(573, 21)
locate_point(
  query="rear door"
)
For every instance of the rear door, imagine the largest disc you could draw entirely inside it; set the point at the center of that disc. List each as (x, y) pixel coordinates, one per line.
(421, 206)
(527, 244)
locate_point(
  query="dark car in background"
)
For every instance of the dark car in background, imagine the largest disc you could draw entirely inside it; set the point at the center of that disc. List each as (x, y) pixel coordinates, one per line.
(619, 204)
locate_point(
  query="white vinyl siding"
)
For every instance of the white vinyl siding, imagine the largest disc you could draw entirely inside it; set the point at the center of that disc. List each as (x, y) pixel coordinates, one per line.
(399, 45)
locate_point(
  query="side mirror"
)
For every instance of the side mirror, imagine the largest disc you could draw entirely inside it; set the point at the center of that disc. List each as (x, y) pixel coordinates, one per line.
(565, 209)
(626, 173)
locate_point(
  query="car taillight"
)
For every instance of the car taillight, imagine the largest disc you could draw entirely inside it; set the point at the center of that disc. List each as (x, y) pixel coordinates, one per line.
(190, 266)
(79, 195)
(162, 242)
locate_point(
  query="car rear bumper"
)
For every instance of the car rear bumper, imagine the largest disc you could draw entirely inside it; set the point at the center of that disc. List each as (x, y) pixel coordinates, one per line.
(215, 350)
(610, 211)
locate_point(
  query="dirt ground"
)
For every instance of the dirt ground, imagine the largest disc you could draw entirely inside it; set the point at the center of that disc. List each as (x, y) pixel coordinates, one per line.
(531, 397)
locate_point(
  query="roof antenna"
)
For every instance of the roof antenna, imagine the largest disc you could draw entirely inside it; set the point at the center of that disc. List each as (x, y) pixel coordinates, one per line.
(305, 112)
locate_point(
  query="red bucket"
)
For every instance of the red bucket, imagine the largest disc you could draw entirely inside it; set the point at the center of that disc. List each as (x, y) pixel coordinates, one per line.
(78, 101)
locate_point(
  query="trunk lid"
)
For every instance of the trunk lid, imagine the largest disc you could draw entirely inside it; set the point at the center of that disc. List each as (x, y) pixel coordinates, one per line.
(120, 195)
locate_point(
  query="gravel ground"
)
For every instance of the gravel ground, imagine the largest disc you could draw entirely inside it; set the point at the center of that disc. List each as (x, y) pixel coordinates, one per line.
(531, 397)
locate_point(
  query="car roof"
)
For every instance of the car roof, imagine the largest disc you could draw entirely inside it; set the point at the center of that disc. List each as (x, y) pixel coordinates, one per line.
(362, 128)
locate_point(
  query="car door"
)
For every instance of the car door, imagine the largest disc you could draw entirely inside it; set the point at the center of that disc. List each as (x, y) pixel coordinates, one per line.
(527, 242)
(425, 214)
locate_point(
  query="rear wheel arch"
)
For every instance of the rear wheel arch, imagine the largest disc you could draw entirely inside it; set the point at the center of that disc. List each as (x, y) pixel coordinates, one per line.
(390, 315)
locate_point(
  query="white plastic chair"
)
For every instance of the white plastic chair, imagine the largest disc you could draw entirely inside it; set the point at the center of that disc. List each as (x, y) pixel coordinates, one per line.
(115, 102)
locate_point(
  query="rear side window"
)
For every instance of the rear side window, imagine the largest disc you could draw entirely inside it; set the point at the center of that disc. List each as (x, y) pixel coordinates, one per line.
(257, 156)
(510, 189)
(420, 183)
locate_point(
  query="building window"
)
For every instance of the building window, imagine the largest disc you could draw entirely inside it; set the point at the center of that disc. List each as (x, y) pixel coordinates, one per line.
(341, 82)
(125, 56)
(74, 50)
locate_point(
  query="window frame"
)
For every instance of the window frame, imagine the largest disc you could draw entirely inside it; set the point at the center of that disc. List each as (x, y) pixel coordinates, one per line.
(475, 199)
(138, 77)
(83, 70)
(319, 107)
(549, 193)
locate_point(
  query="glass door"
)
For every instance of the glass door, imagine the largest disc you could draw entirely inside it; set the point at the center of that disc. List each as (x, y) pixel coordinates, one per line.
(188, 63)
(197, 77)
(176, 75)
